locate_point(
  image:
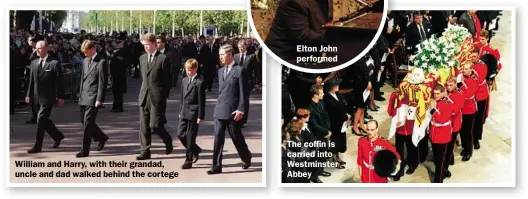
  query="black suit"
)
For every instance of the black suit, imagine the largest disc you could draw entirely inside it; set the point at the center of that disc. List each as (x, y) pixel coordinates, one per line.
(94, 79)
(175, 55)
(208, 60)
(299, 84)
(439, 20)
(192, 107)
(155, 89)
(118, 67)
(319, 120)
(466, 20)
(297, 22)
(231, 98)
(249, 63)
(413, 37)
(45, 84)
(337, 112)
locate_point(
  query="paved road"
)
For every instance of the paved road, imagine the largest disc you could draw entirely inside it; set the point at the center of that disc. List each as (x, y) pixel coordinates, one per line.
(123, 145)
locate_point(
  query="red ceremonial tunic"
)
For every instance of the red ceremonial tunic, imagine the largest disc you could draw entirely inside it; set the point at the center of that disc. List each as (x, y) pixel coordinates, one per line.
(481, 71)
(440, 128)
(469, 89)
(458, 99)
(365, 159)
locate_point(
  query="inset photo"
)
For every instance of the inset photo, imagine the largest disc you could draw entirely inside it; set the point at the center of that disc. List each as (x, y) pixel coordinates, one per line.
(317, 36)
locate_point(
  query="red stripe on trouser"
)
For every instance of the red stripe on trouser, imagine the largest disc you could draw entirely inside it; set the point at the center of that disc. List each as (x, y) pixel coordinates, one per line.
(471, 132)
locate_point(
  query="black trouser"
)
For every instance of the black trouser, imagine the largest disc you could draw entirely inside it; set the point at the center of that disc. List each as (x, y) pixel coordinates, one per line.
(466, 133)
(246, 108)
(439, 153)
(45, 124)
(34, 110)
(450, 150)
(233, 127)
(117, 89)
(403, 141)
(91, 130)
(152, 121)
(479, 120)
(175, 75)
(423, 148)
(208, 75)
(188, 131)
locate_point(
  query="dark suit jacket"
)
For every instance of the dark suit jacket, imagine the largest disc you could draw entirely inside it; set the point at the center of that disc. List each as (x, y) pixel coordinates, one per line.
(45, 83)
(175, 56)
(207, 57)
(156, 79)
(189, 50)
(319, 120)
(231, 93)
(250, 64)
(467, 22)
(297, 22)
(94, 79)
(337, 111)
(192, 104)
(412, 36)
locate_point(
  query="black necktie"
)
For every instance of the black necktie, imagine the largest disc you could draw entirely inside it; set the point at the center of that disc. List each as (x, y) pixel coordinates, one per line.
(40, 64)
(225, 72)
(242, 60)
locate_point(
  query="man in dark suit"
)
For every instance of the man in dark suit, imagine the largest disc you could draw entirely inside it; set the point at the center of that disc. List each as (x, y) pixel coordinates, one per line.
(94, 79)
(155, 88)
(440, 19)
(416, 33)
(229, 110)
(248, 62)
(208, 62)
(319, 122)
(45, 84)
(466, 20)
(174, 56)
(34, 107)
(298, 22)
(118, 67)
(192, 112)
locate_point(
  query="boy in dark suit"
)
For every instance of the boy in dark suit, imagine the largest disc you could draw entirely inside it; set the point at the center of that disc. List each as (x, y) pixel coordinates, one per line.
(192, 112)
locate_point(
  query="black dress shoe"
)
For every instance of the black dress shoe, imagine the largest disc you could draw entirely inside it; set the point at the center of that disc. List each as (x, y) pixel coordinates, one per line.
(116, 110)
(382, 93)
(326, 174)
(476, 145)
(447, 173)
(410, 170)
(466, 157)
(214, 170)
(376, 106)
(369, 117)
(31, 121)
(396, 178)
(143, 156)
(316, 180)
(196, 156)
(82, 154)
(452, 161)
(463, 153)
(246, 164)
(168, 147)
(186, 166)
(102, 143)
(34, 150)
(58, 142)
(373, 109)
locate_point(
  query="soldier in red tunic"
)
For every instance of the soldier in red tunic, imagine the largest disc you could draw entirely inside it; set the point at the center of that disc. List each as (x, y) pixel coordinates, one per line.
(367, 149)
(480, 70)
(457, 97)
(440, 130)
(486, 48)
(469, 87)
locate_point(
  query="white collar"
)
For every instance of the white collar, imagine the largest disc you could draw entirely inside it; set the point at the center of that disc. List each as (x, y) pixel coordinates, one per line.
(162, 51)
(93, 57)
(192, 77)
(305, 127)
(334, 95)
(229, 66)
(45, 58)
(152, 54)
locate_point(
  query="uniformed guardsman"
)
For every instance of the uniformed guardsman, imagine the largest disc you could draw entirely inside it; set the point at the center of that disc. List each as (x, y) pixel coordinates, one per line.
(367, 149)
(486, 48)
(480, 69)
(457, 97)
(404, 139)
(469, 87)
(440, 130)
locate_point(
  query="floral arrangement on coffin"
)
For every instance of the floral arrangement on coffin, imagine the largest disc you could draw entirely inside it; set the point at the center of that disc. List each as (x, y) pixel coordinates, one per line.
(435, 54)
(456, 34)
